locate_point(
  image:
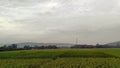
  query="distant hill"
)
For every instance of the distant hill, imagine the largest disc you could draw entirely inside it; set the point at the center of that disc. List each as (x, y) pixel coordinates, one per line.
(32, 44)
(114, 44)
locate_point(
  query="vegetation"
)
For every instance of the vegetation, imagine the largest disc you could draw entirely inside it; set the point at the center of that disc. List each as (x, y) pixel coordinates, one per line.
(61, 58)
(61, 63)
(15, 47)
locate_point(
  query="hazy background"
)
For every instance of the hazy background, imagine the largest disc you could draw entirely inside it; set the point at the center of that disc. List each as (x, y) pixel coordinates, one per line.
(91, 21)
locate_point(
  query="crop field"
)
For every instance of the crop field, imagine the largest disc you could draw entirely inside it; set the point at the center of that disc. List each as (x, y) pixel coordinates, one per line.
(61, 58)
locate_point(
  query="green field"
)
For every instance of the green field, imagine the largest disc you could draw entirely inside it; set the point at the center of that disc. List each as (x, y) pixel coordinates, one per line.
(61, 58)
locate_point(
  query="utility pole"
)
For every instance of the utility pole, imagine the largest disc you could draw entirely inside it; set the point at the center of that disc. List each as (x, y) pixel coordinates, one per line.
(76, 42)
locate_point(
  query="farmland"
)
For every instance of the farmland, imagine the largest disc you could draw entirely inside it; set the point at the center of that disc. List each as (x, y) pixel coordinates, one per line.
(61, 58)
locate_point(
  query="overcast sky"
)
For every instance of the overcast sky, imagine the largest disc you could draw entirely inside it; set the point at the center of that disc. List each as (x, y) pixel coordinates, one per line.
(91, 21)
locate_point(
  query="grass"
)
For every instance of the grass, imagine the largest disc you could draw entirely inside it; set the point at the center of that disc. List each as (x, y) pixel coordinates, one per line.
(53, 53)
(84, 63)
(61, 63)
(23, 63)
(61, 58)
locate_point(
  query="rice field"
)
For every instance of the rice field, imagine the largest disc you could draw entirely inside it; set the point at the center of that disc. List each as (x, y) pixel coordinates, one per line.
(61, 58)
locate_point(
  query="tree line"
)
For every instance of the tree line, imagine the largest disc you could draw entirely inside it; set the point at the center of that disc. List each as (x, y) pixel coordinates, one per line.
(95, 46)
(28, 47)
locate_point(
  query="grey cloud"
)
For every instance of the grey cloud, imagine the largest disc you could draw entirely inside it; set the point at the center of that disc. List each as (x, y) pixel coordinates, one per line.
(28, 8)
(60, 20)
(0, 26)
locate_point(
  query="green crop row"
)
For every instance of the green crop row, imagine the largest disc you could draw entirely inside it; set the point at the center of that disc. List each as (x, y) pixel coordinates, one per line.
(56, 53)
(61, 63)
(61, 58)
(84, 63)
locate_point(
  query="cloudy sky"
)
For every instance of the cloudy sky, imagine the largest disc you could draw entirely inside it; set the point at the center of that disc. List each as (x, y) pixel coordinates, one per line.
(91, 21)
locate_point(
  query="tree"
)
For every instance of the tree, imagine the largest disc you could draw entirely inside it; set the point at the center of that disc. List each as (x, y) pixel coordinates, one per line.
(12, 46)
(27, 47)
